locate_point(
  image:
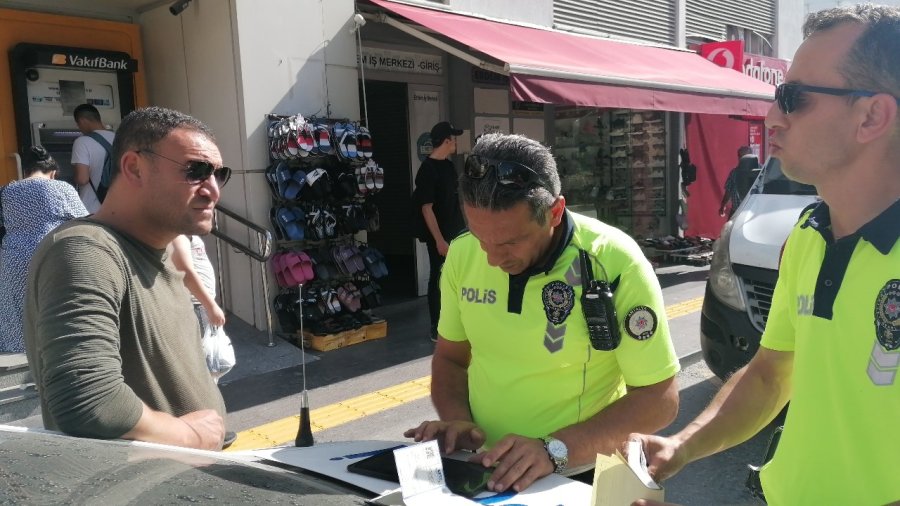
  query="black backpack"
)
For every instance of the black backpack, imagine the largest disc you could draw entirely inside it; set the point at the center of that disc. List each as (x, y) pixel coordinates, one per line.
(105, 175)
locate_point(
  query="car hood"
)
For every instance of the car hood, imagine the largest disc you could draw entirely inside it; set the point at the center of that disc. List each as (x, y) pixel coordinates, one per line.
(762, 225)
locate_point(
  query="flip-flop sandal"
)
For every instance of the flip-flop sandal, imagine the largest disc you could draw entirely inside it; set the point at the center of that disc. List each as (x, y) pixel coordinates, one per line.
(286, 274)
(323, 139)
(379, 177)
(288, 222)
(369, 169)
(275, 264)
(307, 265)
(287, 186)
(329, 223)
(350, 140)
(272, 181)
(294, 265)
(364, 139)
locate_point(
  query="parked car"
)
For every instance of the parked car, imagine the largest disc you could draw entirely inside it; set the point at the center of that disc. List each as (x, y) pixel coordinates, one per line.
(42, 467)
(744, 268)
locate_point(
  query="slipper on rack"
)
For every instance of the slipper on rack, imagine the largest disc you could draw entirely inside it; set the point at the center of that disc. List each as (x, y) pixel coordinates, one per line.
(364, 142)
(294, 265)
(288, 188)
(287, 277)
(348, 142)
(379, 177)
(306, 264)
(275, 264)
(370, 169)
(323, 139)
(272, 181)
(288, 221)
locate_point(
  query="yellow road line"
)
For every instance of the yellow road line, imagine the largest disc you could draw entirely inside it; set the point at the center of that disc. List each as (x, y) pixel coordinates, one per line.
(284, 431)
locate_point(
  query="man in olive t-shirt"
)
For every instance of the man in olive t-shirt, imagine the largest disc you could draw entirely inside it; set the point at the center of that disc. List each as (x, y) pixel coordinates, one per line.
(110, 333)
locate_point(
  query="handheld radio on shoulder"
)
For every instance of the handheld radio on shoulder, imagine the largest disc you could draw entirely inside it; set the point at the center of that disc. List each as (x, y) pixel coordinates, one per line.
(598, 308)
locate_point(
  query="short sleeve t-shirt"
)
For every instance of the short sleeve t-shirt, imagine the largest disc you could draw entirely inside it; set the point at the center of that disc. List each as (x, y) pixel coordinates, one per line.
(533, 369)
(87, 151)
(436, 183)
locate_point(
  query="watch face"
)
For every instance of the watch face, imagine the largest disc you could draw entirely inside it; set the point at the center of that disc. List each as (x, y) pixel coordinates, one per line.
(557, 448)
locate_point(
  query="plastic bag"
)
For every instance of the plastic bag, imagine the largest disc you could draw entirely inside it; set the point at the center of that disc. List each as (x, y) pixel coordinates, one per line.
(219, 352)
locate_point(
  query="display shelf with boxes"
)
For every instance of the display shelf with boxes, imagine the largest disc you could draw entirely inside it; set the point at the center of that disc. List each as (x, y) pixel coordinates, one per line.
(612, 162)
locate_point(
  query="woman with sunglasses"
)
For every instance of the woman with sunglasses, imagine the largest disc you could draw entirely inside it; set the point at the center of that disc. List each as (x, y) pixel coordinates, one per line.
(29, 210)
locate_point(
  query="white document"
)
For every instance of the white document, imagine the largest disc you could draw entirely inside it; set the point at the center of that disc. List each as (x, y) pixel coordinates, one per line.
(421, 475)
(619, 482)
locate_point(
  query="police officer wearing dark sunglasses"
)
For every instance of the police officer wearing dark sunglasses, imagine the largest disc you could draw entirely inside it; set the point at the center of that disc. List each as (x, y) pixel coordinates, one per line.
(536, 364)
(111, 336)
(832, 340)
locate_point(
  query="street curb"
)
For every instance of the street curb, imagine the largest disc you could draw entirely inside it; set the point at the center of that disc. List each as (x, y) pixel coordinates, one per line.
(690, 359)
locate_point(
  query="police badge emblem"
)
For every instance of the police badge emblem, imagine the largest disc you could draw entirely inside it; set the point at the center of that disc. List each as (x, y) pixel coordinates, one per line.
(559, 299)
(887, 315)
(640, 323)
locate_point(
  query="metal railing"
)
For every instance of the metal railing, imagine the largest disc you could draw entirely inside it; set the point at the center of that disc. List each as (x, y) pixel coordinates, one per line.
(261, 254)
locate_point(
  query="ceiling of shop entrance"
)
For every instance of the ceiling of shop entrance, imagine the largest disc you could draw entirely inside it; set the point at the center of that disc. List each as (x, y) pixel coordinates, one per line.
(115, 10)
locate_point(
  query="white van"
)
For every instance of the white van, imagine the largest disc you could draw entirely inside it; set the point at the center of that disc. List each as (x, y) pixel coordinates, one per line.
(744, 268)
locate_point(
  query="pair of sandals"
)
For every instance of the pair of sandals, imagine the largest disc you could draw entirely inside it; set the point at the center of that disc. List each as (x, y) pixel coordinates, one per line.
(321, 223)
(294, 137)
(348, 260)
(375, 262)
(292, 268)
(289, 223)
(353, 142)
(370, 178)
(350, 297)
(285, 181)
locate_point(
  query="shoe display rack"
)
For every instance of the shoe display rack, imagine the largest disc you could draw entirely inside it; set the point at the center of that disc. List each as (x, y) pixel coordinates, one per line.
(321, 176)
(613, 162)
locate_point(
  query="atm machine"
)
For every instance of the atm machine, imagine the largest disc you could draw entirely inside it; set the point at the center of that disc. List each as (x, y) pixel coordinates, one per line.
(48, 82)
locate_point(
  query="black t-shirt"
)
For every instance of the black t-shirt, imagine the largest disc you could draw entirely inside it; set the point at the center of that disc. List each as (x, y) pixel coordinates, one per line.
(436, 183)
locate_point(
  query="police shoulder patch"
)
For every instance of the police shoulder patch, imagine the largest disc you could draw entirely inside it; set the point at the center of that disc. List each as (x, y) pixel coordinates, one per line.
(559, 299)
(640, 323)
(887, 315)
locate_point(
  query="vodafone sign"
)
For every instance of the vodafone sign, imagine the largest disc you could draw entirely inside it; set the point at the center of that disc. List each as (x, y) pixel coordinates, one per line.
(730, 54)
(767, 70)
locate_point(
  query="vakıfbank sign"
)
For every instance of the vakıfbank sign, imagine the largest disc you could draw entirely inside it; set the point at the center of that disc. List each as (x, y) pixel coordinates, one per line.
(389, 60)
(87, 60)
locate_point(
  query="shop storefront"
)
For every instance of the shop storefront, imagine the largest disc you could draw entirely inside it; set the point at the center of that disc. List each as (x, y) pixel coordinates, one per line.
(608, 109)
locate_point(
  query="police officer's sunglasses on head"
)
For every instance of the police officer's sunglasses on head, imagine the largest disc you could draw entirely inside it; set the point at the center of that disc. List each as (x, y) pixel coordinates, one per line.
(507, 173)
(196, 171)
(789, 96)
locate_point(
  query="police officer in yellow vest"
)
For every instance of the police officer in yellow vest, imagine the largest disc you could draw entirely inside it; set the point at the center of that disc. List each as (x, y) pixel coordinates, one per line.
(553, 340)
(832, 343)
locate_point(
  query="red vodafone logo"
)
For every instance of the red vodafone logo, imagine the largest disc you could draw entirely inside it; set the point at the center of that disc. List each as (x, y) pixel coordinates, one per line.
(722, 56)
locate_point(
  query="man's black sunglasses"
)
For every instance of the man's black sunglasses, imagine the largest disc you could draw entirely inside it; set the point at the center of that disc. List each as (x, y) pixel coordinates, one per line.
(789, 96)
(507, 173)
(195, 171)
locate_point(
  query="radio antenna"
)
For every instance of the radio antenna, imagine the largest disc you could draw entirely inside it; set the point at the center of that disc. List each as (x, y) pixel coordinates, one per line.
(304, 432)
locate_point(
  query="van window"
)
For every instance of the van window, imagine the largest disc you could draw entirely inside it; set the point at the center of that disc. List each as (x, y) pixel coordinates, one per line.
(776, 183)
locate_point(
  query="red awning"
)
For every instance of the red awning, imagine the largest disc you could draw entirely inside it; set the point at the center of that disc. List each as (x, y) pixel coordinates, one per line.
(564, 68)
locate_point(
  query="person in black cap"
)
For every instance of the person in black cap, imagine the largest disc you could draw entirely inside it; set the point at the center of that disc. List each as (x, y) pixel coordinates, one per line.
(437, 194)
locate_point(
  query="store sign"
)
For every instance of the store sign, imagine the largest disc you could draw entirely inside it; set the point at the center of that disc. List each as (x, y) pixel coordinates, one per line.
(766, 69)
(728, 54)
(389, 60)
(87, 60)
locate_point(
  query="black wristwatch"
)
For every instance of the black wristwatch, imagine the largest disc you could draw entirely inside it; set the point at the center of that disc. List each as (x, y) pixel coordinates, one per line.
(558, 452)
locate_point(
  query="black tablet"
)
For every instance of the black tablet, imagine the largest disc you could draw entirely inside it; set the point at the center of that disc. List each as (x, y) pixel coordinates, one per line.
(463, 478)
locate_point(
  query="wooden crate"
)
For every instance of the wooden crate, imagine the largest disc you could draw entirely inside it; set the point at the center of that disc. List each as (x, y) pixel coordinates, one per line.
(346, 338)
(376, 330)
